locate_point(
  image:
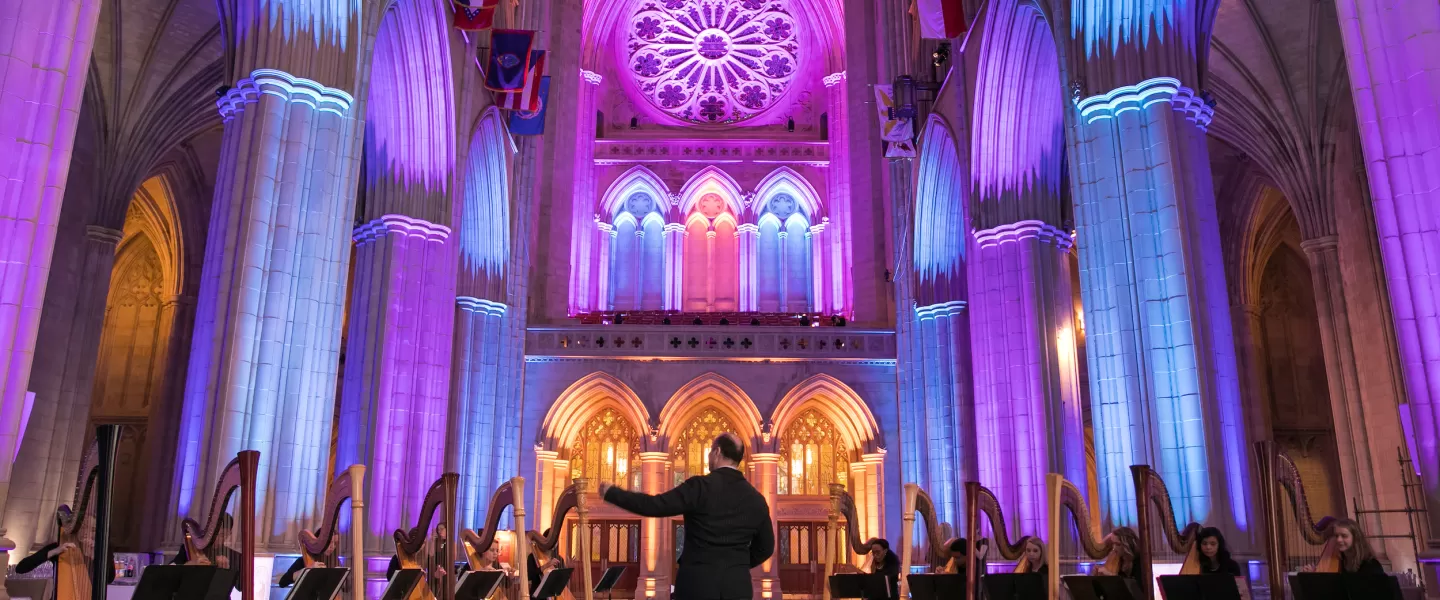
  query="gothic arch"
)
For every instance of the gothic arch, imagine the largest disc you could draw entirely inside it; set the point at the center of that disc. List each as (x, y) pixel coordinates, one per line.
(786, 180)
(941, 226)
(410, 116)
(838, 402)
(153, 214)
(484, 220)
(712, 179)
(585, 398)
(711, 390)
(637, 179)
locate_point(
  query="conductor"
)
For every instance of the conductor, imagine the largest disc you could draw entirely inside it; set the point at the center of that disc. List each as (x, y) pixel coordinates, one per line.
(727, 525)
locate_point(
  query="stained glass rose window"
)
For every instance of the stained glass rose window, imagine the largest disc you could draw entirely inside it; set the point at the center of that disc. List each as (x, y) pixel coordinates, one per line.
(713, 61)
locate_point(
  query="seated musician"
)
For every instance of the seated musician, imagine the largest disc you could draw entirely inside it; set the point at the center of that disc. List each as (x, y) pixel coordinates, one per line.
(536, 570)
(1355, 553)
(437, 548)
(288, 579)
(1123, 549)
(1035, 557)
(957, 562)
(883, 561)
(51, 552)
(1215, 554)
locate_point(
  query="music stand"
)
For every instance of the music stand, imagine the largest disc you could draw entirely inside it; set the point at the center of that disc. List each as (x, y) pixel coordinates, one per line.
(933, 586)
(1102, 587)
(321, 583)
(608, 581)
(1344, 586)
(402, 583)
(188, 582)
(553, 583)
(478, 585)
(1207, 586)
(1016, 586)
(865, 586)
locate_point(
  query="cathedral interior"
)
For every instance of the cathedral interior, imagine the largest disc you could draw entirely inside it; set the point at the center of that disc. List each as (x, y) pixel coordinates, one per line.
(946, 258)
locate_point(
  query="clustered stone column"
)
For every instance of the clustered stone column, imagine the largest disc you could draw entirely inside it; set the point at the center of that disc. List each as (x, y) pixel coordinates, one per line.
(588, 270)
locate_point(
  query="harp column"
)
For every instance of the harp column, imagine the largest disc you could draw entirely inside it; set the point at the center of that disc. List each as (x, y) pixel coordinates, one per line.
(46, 58)
(1390, 50)
(1027, 396)
(1157, 314)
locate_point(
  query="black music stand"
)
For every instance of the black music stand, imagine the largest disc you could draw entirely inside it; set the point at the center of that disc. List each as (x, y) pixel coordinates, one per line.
(319, 583)
(1016, 586)
(1102, 587)
(552, 584)
(608, 581)
(1344, 586)
(184, 582)
(865, 586)
(932, 586)
(1206, 586)
(402, 583)
(478, 585)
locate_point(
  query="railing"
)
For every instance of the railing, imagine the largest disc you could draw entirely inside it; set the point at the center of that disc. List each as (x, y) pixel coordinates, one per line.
(662, 341)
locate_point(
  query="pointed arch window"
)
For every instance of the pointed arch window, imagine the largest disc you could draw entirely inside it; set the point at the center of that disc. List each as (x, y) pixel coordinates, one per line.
(607, 450)
(637, 254)
(813, 455)
(689, 451)
(784, 272)
(712, 256)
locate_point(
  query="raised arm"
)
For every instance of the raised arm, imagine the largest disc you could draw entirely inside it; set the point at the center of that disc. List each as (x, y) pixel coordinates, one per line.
(669, 504)
(762, 545)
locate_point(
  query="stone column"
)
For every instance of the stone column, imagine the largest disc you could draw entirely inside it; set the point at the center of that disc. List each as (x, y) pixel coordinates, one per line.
(544, 479)
(1156, 310)
(655, 566)
(393, 407)
(588, 271)
(939, 354)
(749, 234)
(820, 242)
(63, 378)
(605, 268)
(265, 353)
(43, 66)
(674, 265)
(767, 481)
(1392, 49)
(873, 465)
(177, 320)
(840, 278)
(1027, 413)
(1254, 383)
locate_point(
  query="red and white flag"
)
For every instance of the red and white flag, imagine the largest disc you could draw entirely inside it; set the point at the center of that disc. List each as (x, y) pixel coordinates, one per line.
(528, 97)
(476, 15)
(941, 19)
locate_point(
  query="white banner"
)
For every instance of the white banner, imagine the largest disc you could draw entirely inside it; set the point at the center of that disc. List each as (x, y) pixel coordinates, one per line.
(891, 130)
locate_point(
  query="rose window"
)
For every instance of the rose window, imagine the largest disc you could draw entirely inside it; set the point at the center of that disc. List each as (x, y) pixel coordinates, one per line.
(713, 61)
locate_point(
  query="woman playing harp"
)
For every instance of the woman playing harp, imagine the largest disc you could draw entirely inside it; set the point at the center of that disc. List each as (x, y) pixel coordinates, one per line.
(321, 547)
(1116, 550)
(73, 552)
(415, 547)
(1156, 516)
(541, 551)
(1294, 539)
(980, 500)
(939, 554)
(210, 544)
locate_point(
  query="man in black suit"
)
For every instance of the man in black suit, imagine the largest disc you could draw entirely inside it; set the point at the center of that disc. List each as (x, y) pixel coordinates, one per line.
(727, 525)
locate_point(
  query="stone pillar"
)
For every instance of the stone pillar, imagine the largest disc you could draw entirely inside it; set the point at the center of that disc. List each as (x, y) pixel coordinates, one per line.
(1254, 383)
(1392, 49)
(939, 353)
(749, 234)
(1027, 410)
(480, 412)
(841, 277)
(655, 573)
(177, 322)
(587, 270)
(1157, 314)
(767, 481)
(265, 353)
(63, 378)
(674, 265)
(545, 475)
(44, 62)
(820, 242)
(393, 406)
(873, 466)
(605, 268)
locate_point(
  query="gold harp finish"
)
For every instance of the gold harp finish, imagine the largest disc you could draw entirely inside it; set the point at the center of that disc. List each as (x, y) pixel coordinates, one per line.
(542, 546)
(1151, 492)
(313, 544)
(1281, 475)
(408, 544)
(842, 504)
(980, 500)
(72, 567)
(1063, 494)
(200, 541)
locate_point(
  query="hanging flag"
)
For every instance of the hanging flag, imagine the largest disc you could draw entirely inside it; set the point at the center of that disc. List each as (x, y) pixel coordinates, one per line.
(509, 59)
(527, 98)
(470, 17)
(905, 149)
(526, 122)
(941, 19)
(891, 130)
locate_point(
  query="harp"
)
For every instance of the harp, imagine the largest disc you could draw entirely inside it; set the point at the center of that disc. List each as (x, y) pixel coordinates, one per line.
(410, 545)
(1151, 493)
(210, 544)
(936, 552)
(1110, 549)
(842, 504)
(321, 545)
(81, 573)
(1294, 538)
(980, 500)
(511, 493)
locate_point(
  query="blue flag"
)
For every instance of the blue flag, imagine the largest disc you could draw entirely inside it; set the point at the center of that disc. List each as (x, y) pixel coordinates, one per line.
(509, 59)
(524, 122)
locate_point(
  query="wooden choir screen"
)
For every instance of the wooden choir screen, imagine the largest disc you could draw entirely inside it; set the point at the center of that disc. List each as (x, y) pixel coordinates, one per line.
(813, 455)
(326, 544)
(980, 500)
(416, 548)
(82, 572)
(1152, 495)
(1078, 538)
(1294, 539)
(230, 517)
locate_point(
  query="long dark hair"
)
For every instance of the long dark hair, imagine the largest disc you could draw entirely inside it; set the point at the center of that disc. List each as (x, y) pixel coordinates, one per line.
(1359, 552)
(1222, 555)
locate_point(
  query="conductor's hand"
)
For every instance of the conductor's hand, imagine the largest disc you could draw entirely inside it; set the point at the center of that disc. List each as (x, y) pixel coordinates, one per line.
(604, 488)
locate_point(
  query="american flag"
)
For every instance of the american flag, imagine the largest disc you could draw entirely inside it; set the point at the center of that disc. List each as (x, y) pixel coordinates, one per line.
(528, 97)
